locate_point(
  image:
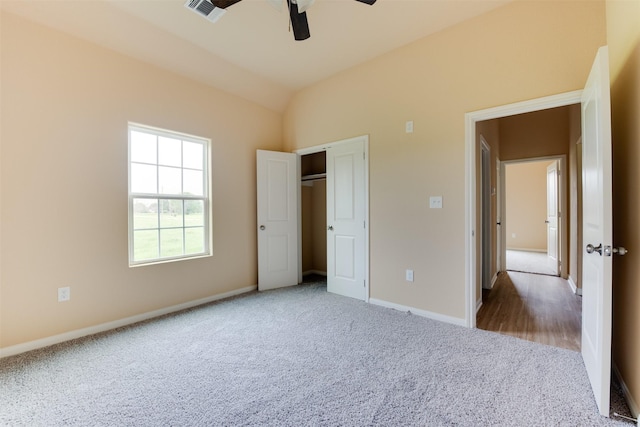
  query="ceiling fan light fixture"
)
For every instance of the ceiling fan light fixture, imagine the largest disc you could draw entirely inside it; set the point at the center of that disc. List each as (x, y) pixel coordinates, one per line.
(303, 5)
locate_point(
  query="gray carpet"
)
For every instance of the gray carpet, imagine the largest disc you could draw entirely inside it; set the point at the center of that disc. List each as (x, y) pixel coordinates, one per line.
(530, 262)
(297, 357)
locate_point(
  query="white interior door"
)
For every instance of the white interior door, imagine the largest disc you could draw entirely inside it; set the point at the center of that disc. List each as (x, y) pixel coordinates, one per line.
(277, 219)
(597, 229)
(346, 215)
(552, 216)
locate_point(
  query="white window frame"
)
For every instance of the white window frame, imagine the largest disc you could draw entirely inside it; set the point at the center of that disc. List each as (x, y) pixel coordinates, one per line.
(206, 198)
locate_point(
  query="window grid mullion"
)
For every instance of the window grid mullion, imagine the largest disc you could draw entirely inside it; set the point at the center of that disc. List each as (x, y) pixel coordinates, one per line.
(167, 196)
(157, 165)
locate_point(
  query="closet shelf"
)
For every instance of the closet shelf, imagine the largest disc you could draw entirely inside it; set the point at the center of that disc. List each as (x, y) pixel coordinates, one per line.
(314, 177)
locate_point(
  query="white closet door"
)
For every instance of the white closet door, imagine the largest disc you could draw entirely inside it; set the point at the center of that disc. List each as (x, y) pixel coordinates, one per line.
(346, 214)
(277, 219)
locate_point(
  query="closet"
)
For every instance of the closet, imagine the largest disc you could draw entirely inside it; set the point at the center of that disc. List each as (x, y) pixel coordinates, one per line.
(313, 196)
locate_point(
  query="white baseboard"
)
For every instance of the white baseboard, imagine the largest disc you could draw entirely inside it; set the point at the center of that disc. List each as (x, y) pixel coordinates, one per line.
(631, 403)
(478, 305)
(493, 280)
(419, 312)
(79, 333)
(573, 285)
(544, 251)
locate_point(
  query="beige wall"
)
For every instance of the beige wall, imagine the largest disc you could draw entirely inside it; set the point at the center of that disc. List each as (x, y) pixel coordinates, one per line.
(65, 107)
(521, 51)
(526, 205)
(541, 133)
(623, 37)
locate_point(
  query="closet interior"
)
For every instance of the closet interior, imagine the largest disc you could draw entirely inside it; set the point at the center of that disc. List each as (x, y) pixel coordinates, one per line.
(313, 170)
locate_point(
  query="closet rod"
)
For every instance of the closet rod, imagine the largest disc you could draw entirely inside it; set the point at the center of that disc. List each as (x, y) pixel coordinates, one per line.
(314, 177)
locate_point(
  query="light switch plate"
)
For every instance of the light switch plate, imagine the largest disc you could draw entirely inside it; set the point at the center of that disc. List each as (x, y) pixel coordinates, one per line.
(64, 294)
(435, 202)
(409, 275)
(408, 127)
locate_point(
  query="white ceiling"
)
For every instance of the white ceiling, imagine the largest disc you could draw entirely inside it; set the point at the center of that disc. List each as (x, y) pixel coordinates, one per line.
(250, 51)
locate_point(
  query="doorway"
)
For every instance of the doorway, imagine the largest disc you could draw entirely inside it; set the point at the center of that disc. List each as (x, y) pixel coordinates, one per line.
(595, 129)
(534, 147)
(279, 216)
(334, 179)
(313, 214)
(472, 256)
(535, 199)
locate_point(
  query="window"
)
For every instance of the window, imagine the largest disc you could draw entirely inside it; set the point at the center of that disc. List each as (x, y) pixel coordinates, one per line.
(168, 196)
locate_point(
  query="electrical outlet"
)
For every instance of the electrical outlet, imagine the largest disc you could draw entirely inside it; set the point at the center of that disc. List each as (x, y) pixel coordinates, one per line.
(64, 294)
(409, 275)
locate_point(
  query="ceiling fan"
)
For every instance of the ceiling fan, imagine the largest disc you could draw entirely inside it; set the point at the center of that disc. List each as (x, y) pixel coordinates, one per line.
(214, 9)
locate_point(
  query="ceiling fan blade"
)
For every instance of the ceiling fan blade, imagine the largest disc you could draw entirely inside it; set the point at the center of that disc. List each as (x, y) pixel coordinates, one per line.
(223, 4)
(367, 1)
(299, 22)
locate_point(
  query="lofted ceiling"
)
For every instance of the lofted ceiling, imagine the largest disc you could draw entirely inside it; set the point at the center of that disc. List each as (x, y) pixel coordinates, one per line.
(250, 51)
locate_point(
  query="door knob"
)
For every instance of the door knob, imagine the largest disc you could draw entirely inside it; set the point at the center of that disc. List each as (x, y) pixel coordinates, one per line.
(262, 227)
(591, 249)
(620, 250)
(331, 228)
(608, 251)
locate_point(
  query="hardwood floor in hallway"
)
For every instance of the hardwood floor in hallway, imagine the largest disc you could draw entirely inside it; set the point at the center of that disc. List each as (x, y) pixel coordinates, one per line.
(533, 307)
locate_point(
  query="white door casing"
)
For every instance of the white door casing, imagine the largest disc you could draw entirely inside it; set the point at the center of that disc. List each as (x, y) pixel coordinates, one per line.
(277, 219)
(500, 265)
(597, 229)
(346, 218)
(553, 241)
(471, 178)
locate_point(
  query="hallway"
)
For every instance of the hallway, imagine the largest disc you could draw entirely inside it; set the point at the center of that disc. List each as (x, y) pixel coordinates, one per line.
(533, 307)
(530, 262)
